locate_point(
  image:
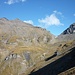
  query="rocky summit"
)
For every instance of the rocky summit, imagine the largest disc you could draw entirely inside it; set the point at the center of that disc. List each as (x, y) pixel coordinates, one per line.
(29, 50)
(70, 30)
(68, 34)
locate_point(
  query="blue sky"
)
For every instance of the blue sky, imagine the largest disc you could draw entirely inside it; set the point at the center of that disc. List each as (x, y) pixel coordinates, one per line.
(54, 15)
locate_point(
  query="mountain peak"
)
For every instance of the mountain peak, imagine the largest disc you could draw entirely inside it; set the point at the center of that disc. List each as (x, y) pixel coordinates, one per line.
(4, 19)
(73, 23)
(70, 30)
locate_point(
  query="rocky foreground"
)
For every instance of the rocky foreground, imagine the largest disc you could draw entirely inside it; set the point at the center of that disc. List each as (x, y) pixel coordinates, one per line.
(24, 49)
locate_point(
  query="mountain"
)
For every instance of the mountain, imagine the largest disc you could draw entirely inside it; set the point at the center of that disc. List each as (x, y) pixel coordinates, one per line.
(68, 34)
(15, 31)
(26, 49)
(70, 30)
(62, 60)
(21, 45)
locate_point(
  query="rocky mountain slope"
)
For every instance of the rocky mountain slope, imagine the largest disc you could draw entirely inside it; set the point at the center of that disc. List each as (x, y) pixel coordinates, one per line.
(21, 45)
(63, 64)
(15, 31)
(68, 34)
(24, 49)
(70, 30)
(62, 61)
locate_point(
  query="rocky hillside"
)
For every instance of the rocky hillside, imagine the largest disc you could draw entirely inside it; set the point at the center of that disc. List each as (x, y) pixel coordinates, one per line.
(63, 64)
(16, 31)
(62, 61)
(68, 34)
(25, 48)
(22, 45)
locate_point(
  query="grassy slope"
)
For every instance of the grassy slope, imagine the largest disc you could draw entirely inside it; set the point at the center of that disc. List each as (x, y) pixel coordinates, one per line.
(36, 52)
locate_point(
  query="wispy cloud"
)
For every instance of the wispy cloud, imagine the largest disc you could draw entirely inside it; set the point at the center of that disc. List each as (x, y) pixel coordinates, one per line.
(56, 12)
(29, 21)
(74, 14)
(51, 19)
(14, 1)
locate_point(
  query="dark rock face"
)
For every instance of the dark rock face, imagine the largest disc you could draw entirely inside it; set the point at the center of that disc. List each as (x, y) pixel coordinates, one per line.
(70, 30)
(68, 34)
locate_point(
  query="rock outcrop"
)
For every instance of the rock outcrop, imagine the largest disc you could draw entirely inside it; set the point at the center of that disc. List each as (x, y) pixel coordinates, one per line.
(70, 30)
(68, 34)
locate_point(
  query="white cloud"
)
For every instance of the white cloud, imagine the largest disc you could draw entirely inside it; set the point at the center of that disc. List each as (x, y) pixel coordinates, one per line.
(14, 1)
(29, 21)
(51, 19)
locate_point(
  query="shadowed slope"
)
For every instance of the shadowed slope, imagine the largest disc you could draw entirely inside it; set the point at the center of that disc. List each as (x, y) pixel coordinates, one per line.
(62, 64)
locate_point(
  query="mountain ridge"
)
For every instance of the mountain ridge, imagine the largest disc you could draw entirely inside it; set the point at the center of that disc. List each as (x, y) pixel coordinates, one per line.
(24, 30)
(69, 30)
(25, 48)
(67, 34)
